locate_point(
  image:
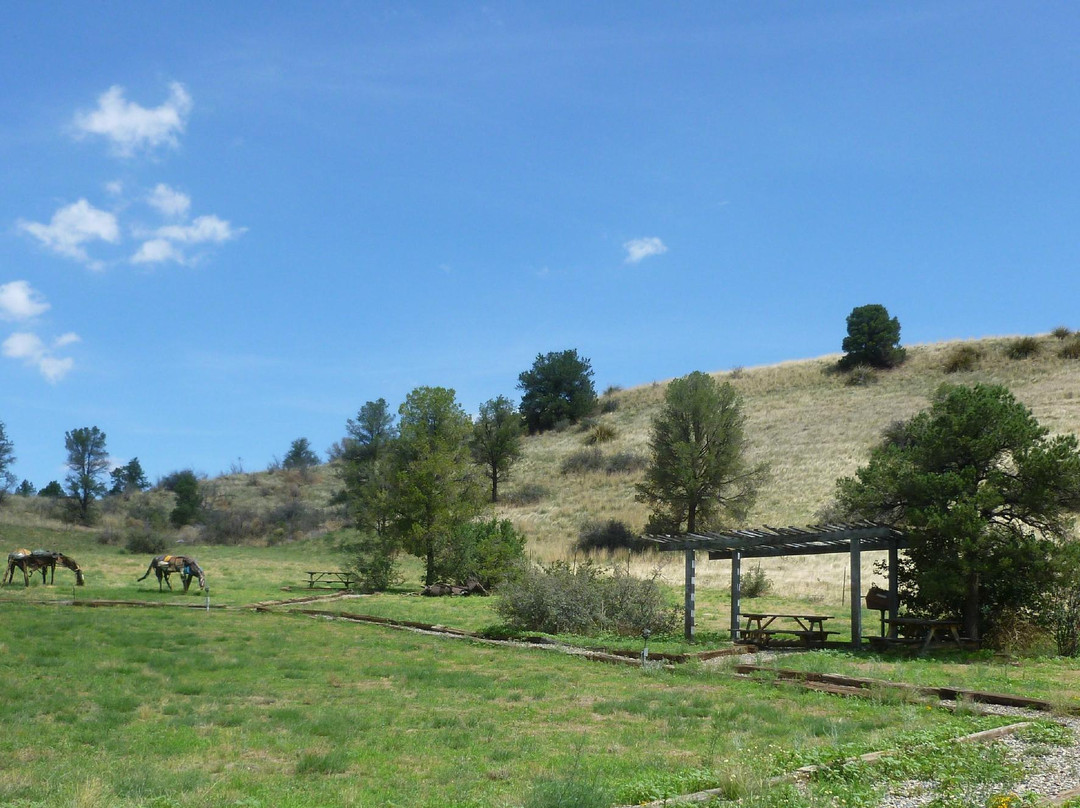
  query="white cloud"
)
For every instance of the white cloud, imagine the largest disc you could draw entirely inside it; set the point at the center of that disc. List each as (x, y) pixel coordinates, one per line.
(201, 229)
(639, 249)
(130, 126)
(72, 227)
(115, 188)
(33, 352)
(157, 250)
(19, 301)
(169, 202)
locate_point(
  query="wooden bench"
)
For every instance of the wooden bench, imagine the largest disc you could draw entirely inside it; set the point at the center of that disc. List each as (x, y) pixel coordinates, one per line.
(331, 579)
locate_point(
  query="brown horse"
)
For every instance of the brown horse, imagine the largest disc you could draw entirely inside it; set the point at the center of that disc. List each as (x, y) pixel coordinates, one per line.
(165, 565)
(43, 560)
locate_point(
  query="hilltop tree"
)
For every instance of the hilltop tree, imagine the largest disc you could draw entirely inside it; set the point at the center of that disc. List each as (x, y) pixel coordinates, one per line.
(7, 459)
(557, 388)
(53, 490)
(496, 440)
(698, 471)
(434, 488)
(88, 460)
(189, 502)
(129, 477)
(873, 339)
(300, 456)
(982, 492)
(25, 489)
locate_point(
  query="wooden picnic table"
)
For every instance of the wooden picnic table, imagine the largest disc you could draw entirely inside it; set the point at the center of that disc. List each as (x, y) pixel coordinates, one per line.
(926, 630)
(810, 628)
(331, 578)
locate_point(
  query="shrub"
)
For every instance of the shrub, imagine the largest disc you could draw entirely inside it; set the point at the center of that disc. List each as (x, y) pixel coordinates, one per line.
(145, 542)
(1070, 349)
(963, 358)
(526, 494)
(1061, 332)
(293, 518)
(489, 552)
(231, 526)
(755, 582)
(625, 463)
(1019, 637)
(861, 376)
(1022, 348)
(609, 537)
(601, 433)
(582, 599)
(583, 461)
(373, 559)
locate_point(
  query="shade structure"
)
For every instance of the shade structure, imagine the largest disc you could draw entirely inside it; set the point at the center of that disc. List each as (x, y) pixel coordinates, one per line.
(774, 542)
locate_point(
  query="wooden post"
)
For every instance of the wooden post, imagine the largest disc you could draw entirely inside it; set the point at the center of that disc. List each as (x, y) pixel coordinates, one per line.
(894, 587)
(689, 602)
(736, 593)
(856, 598)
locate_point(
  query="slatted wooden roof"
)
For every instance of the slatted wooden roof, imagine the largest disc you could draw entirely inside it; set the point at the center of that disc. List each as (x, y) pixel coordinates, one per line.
(786, 541)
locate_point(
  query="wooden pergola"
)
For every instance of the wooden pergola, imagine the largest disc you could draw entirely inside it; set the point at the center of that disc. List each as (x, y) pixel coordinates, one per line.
(770, 542)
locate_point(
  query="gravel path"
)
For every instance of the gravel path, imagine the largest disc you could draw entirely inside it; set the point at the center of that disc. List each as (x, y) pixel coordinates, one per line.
(1051, 770)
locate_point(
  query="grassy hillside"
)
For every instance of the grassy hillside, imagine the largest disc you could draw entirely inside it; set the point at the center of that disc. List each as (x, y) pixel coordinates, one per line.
(807, 422)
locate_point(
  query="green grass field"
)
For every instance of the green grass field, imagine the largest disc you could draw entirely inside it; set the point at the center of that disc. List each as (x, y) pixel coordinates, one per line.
(131, 706)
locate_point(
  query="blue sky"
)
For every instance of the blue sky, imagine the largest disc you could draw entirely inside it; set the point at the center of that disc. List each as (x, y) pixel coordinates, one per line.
(224, 226)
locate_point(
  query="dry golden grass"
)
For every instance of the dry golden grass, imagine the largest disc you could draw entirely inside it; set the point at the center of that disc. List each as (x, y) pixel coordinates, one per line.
(804, 421)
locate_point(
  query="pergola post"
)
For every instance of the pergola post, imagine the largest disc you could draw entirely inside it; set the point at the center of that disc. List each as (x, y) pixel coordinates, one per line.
(688, 605)
(736, 593)
(856, 590)
(894, 588)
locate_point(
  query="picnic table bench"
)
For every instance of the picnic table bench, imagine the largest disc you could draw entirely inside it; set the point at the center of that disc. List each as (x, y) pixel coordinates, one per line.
(926, 630)
(331, 578)
(809, 628)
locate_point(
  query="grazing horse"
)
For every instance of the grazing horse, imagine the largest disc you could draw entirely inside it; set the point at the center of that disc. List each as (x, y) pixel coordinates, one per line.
(165, 565)
(43, 560)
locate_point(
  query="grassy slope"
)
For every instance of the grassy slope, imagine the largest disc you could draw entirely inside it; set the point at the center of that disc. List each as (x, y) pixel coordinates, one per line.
(804, 421)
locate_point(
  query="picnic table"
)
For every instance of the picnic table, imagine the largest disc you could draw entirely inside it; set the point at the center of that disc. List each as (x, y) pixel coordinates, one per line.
(926, 630)
(330, 578)
(809, 629)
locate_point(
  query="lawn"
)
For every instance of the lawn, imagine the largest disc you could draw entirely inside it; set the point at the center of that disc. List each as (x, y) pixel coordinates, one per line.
(151, 707)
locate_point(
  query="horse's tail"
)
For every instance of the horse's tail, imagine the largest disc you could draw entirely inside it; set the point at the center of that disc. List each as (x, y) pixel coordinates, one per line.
(148, 570)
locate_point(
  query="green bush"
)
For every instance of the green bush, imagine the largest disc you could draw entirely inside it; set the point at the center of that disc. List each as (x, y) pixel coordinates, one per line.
(145, 542)
(754, 582)
(583, 461)
(1022, 348)
(583, 599)
(489, 552)
(962, 359)
(372, 558)
(610, 536)
(526, 494)
(625, 463)
(1061, 332)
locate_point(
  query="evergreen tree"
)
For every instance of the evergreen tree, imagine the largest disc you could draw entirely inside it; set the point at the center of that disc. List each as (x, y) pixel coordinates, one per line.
(557, 388)
(982, 491)
(88, 460)
(434, 488)
(698, 469)
(873, 338)
(496, 440)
